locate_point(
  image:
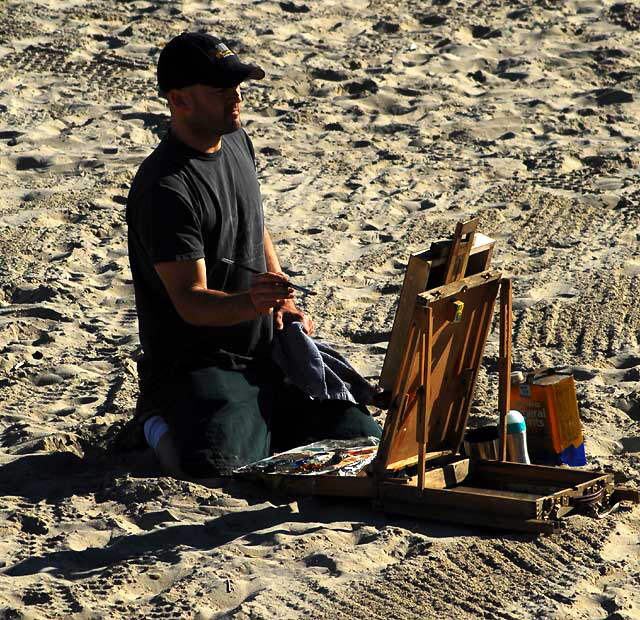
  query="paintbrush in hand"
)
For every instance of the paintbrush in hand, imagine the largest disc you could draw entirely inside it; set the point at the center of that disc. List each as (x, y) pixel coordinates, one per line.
(297, 287)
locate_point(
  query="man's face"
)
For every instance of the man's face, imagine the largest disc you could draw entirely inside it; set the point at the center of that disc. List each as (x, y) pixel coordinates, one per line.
(213, 111)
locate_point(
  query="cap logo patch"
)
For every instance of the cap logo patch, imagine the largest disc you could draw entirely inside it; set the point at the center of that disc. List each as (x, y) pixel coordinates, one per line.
(221, 50)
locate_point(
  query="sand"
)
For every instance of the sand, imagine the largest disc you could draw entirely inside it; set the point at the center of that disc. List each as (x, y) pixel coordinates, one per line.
(379, 127)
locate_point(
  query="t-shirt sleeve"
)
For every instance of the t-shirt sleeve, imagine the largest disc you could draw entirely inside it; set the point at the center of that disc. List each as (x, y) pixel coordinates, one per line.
(174, 227)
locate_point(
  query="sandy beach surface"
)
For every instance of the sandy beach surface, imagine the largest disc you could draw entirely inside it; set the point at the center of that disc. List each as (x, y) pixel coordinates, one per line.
(379, 126)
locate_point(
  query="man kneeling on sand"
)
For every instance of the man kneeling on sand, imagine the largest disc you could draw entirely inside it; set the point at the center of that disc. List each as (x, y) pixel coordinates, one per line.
(208, 386)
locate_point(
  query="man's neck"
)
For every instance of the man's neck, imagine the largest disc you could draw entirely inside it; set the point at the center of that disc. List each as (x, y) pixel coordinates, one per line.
(208, 144)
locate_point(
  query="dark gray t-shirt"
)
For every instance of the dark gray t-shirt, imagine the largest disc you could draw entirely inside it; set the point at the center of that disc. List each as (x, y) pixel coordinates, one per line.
(185, 205)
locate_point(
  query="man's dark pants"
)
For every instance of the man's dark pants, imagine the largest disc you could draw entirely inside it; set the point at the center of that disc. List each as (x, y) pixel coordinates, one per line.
(222, 419)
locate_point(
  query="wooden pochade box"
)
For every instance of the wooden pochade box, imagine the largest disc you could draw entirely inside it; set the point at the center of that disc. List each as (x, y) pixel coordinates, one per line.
(502, 495)
(418, 470)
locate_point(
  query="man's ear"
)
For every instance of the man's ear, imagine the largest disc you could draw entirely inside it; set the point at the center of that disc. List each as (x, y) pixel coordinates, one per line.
(179, 100)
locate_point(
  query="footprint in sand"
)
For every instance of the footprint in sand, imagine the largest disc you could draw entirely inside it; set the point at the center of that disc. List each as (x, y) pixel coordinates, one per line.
(28, 162)
(626, 359)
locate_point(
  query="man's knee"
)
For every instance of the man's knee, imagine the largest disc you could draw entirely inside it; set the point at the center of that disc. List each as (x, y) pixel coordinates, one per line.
(356, 422)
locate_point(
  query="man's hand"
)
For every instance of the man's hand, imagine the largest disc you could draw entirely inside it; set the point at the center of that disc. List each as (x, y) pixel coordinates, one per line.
(269, 291)
(288, 313)
(186, 285)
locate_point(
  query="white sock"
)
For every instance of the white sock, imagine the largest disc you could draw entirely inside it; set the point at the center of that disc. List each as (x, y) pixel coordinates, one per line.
(154, 428)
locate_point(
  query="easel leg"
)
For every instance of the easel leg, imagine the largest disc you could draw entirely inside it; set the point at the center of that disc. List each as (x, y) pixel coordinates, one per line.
(424, 401)
(504, 363)
(399, 396)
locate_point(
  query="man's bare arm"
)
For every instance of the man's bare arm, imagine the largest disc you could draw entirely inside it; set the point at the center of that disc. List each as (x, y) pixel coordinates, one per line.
(287, 312)
(186, 285)
(270, 256)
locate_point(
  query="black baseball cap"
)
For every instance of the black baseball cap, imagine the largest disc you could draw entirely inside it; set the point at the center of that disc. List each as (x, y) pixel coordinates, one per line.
(198, 58)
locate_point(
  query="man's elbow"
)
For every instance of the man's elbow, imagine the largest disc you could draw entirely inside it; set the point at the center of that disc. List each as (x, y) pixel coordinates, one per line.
(192, 318)
(201, 308)
(188, 311)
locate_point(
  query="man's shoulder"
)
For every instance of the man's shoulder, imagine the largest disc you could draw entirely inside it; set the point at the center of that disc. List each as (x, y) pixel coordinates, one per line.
(161, 161)
(161, 165)
(159, 171)
(239, 140)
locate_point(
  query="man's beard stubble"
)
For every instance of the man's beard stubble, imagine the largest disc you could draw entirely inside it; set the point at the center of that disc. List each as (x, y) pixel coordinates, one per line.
(206, 127)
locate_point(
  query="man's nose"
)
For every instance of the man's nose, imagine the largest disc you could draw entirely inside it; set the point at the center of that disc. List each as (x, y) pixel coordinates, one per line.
(236, 94)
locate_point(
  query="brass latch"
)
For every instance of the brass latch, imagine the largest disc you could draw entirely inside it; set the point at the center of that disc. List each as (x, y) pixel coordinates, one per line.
(457, 310)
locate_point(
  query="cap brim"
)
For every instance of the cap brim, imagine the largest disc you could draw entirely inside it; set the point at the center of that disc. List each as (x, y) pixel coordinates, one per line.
(249, 72)
(257, 73)
(237, 72)
(234, 75)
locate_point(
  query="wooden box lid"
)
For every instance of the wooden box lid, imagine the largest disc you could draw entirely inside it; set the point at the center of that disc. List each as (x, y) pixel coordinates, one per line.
(460, 318)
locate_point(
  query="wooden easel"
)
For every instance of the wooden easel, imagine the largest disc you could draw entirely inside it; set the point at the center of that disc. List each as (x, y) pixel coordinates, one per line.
(468, 253)
(438, 372)
(439, 334)
(414, 378)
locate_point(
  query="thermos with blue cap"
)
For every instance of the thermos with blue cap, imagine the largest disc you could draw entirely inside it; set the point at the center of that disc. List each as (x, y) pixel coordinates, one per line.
(517, 438)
